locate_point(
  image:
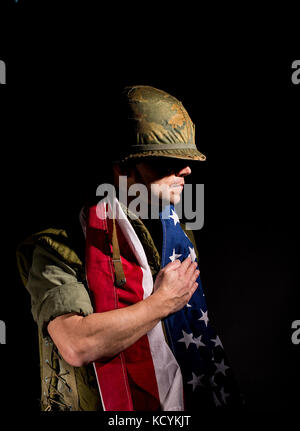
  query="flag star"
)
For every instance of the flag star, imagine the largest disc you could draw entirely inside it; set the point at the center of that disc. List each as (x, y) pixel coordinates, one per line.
(221, 367)
(198, 341)
(204, 317)
(196, 381)
(224, 395)
(175, 218)
(192, 254)
(188, 305)
(217, 341)
(187, 339)
(174, 256)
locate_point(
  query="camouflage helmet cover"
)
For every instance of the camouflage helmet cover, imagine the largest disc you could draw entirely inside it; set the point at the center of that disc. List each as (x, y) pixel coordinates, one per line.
(157, 125)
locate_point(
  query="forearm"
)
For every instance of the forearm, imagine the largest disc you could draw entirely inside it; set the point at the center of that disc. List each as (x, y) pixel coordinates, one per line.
(102, 335)
(81, 340)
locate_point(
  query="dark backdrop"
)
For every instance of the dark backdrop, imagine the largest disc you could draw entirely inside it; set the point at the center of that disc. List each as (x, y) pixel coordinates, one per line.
(64, 68)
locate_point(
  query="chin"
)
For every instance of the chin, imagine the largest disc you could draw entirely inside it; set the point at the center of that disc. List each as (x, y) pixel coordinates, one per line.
(175, 198)
(169, 198)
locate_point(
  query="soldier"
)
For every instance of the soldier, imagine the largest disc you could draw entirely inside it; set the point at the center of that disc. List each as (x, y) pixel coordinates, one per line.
(124, 325)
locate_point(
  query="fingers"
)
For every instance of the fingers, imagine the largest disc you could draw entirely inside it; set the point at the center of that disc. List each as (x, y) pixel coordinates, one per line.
(172, 265)
(193, 289)
(192, 272)
(187, 268)
(186, 264)
(191, 292)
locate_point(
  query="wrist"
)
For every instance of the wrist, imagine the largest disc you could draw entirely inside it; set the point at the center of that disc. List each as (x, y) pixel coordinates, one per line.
(158, 305)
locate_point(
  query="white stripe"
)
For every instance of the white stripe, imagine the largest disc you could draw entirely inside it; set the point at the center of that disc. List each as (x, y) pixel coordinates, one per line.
(167, 370)
(103, 405)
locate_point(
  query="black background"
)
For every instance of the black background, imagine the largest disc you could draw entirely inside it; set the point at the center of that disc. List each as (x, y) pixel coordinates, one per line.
(65, 64)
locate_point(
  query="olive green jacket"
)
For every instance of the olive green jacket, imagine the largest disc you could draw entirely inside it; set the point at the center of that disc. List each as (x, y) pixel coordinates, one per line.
(54, 275)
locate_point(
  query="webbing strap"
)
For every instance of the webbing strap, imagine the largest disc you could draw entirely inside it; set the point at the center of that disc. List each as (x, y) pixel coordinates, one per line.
(119, 272)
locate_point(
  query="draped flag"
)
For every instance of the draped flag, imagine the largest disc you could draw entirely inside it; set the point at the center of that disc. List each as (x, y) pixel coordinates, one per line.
(180, 364)
(146, 376)
(208, 380)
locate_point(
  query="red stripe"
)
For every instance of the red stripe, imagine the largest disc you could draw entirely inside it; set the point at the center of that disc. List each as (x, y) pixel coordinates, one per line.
(127, 381)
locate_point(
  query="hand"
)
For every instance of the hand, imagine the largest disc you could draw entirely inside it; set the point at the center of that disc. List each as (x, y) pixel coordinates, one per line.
(175, 284)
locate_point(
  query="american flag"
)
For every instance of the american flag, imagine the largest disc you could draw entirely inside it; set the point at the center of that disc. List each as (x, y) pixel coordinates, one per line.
(181, 368)
(207, 377)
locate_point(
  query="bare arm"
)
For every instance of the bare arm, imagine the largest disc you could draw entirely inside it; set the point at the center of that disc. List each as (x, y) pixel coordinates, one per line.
(81, 340)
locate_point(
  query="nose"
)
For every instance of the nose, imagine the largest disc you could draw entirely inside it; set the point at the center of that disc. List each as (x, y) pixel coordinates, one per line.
(184, 172)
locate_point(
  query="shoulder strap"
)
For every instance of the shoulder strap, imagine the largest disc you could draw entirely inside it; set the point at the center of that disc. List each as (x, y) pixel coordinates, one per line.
(116, 258)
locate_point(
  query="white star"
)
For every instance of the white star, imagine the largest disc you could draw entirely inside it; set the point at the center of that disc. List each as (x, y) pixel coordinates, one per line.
(196, 381)
(187, 339)
(224, 395)
(192, 254)
(188, 305)
(204, 317)
(174, 216)
(198, 341)
(221, 367)
(217, 341)
(174, 255)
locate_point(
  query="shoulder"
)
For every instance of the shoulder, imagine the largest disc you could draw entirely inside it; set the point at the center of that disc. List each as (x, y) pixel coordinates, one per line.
(52, 245)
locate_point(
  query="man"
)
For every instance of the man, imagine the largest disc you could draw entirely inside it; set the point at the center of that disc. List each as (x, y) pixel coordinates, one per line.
(125, 327)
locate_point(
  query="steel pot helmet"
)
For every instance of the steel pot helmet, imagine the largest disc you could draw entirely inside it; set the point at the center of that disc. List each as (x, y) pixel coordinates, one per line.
(155, 124)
